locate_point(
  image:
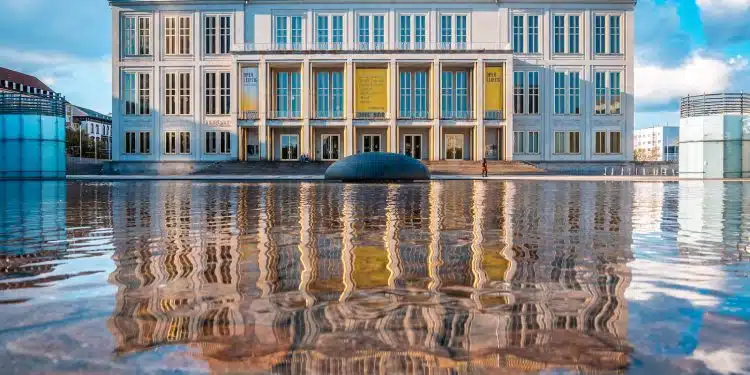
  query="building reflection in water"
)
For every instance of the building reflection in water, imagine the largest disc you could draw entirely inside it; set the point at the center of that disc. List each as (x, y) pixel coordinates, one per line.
(334, 278)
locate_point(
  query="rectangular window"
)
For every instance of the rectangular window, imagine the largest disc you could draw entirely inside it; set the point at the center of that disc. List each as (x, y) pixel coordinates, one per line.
(559, 93)
(145, 142)
(533, 93)
(218, 93)
(413, 95)
(614, 34)
(177, 93)
(574, 34)
(518, 142)
(559, 38)
(322, 35)
(600, 35)
(519, 88)
(404, 38)
(226, 141)
(177, 35)
(533, 142)
(574, 142)
(363, 36)
(614, 93)
(288, 102)
(600, 93)
(329, 98)
(280, 32)
(210, 143)
(559, 142)
(446, 31)
(170, 143)
(455, 95)
(337, 32)
(136, 35)
(420, 32)
(574, 93)
(296, 37)
(615, 142)
(518, 33)
(217, 34)
(130, 145)
(600, 142)
(608, 94)
(378, 32)
(460, 32)
(136, 93)
(533, 34)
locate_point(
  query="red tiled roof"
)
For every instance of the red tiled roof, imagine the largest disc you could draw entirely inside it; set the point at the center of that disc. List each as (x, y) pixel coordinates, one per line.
(24, 79)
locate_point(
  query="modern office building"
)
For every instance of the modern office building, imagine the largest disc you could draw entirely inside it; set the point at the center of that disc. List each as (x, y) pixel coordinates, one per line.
(657, 143)
(220, 80)
(715, 136)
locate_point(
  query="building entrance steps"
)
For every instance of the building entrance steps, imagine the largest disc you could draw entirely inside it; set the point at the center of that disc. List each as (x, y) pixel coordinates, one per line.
(494, 167)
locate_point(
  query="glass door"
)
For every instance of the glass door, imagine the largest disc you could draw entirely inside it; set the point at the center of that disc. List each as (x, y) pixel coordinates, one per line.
(330, 146)
(252, 145)
(454, 146)
(413, 146)
(371, 143)
(289, 147)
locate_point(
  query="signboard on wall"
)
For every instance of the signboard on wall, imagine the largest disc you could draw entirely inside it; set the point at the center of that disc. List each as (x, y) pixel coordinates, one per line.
(494, 95)
(249, 97)
(372, 92)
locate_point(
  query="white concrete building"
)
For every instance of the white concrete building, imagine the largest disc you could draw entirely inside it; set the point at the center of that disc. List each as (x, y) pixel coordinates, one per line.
(658, 143)
(207, 80)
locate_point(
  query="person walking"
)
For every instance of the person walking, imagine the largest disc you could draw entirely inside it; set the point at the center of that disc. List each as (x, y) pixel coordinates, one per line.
(484, 167)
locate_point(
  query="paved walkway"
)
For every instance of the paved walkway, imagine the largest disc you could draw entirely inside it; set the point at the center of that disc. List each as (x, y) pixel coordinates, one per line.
(250, 178)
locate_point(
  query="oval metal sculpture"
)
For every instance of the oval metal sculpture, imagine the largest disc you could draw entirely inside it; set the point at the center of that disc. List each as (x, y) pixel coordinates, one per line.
(377, 166)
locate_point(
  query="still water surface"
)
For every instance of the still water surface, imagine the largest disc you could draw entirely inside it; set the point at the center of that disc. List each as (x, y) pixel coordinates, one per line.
(435, 278)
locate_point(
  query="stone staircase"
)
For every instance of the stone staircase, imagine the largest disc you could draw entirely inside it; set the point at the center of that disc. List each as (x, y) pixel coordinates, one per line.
(265, 168)
(469, 168)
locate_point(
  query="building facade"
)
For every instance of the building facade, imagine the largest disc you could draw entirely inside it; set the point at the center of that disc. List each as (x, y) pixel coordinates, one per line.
(275, 80)
(657, 143)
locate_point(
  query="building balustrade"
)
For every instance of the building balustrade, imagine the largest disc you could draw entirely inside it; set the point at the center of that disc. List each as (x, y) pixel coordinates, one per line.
(370, 46)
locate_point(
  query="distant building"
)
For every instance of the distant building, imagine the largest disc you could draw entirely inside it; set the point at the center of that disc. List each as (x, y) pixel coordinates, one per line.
(12, 81)
(657, 143)
(95, 124)
(715, 136)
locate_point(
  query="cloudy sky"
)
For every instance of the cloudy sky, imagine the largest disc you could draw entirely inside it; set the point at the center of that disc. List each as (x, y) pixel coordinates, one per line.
(682, 47)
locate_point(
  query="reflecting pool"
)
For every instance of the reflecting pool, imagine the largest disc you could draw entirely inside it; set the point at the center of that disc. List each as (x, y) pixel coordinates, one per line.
(462, 277)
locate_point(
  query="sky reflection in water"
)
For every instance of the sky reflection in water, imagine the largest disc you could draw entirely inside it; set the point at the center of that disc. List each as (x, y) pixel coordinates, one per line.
(446, 277)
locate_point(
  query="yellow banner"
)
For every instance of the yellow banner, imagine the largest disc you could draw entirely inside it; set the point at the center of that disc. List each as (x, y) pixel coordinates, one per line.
(372, 92)
(493, 89)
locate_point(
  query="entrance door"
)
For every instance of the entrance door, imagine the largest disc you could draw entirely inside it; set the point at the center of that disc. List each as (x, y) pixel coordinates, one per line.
(413, 146)
(252, 145)
(330, 146)
(454, 146)
(371, 143)
(289, 147)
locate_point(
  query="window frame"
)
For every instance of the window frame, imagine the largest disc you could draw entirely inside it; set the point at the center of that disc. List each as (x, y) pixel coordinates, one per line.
(567, 91)
(454, 43)
(221, 143)
(469, 111)
(526, 95)
(330, 113)
(217, 34)
(330, 44)
(567, 142)
(178, 136)
(608, 137)
(179, 93)
(413, 113)
(566, 36)
(371, 44)
(608, 16)
(525, 39)
(178, 34)
(290, 91)
(608, 92)
(137, 30)
(412, 44)
(289, 42)
(221, 95)
(137, 93)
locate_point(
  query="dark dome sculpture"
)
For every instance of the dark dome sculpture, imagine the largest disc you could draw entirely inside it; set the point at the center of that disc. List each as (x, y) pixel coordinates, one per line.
(378, 166)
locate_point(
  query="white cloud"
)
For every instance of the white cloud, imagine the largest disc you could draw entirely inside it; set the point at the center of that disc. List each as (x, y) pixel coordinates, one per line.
(696, 75)
(83, 81)
(723, 6)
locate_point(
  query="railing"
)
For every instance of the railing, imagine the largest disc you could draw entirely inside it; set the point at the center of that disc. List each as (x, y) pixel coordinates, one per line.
(640, 171)
(329, 115)
(249, 115)
(286, 115)
(715, 104)
(456, 115)
(493, 115)
(18, 104)
(376, 47)
(413, 115)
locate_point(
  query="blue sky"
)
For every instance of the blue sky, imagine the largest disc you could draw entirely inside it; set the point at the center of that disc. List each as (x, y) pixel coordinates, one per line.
(682, 47)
